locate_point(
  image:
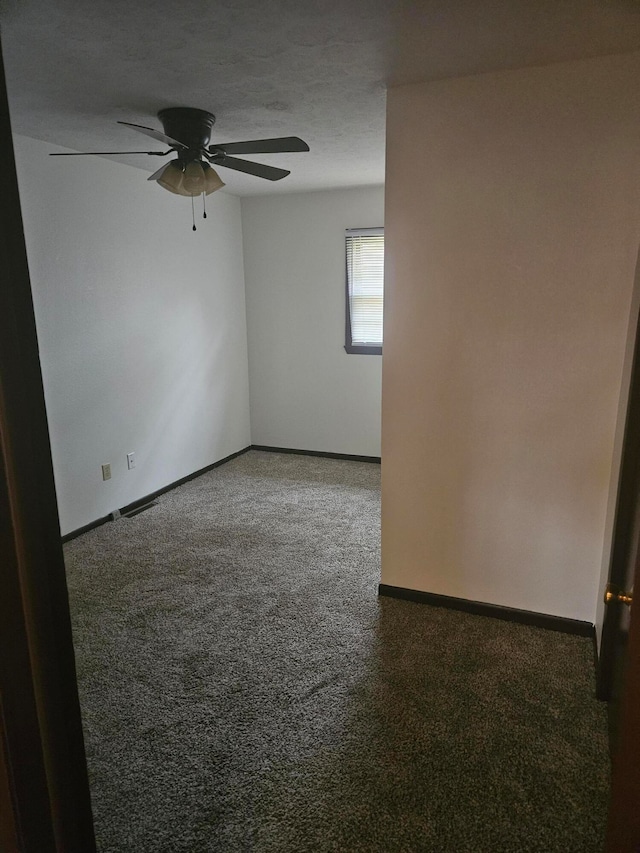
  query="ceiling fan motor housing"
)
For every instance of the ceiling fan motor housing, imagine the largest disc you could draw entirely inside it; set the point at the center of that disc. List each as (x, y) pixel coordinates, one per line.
(190, 126)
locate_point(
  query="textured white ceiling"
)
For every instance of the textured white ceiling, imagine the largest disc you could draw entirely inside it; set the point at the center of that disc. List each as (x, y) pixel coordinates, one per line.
(318, 69)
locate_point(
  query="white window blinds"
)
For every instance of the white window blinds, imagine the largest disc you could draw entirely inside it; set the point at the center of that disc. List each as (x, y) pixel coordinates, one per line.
(365, 284)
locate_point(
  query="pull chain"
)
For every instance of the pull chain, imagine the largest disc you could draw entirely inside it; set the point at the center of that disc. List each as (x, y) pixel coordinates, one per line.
(204, 206)
(193, 215)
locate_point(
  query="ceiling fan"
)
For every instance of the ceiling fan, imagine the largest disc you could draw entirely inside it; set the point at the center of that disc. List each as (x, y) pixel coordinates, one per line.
(187, 133)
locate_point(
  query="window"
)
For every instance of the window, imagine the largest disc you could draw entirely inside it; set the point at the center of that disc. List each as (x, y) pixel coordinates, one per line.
(365, 285)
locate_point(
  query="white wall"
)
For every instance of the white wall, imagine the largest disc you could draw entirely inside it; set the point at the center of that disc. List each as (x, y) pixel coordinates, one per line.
(512, 228)
(306, 391)
(141, 324)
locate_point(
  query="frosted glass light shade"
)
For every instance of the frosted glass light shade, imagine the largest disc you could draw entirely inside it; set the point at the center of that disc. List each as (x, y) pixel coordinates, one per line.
(172, 178)
(212, 180)
(191, 180)
(194, 178)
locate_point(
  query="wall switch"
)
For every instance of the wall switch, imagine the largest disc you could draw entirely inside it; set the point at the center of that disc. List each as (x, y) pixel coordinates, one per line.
(106, 472)
(131, 460)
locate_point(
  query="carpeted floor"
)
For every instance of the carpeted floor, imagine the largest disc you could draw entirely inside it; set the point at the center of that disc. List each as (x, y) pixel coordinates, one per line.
(243, 688)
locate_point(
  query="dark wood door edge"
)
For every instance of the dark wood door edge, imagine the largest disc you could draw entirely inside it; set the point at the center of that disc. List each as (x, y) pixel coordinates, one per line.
(623, 830)
(626, 526)
(9, 840)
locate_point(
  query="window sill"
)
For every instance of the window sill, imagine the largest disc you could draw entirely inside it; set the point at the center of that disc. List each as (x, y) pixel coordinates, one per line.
(355, 350)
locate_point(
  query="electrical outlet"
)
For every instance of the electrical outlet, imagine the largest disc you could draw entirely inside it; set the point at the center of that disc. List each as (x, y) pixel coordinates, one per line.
(106, 472)
(131, 460)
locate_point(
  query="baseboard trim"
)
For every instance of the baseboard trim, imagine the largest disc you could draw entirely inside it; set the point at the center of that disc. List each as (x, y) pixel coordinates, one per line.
(85, 528)
(326, 454)
(137, 504)
(497, 611)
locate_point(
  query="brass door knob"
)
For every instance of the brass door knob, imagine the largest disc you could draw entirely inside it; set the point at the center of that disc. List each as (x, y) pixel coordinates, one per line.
(613, 594)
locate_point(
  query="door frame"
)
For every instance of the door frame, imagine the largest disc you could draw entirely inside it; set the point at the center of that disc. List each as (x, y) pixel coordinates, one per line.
(44, 788)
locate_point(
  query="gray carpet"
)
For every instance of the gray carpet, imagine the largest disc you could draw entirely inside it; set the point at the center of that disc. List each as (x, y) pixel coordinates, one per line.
(243, 688)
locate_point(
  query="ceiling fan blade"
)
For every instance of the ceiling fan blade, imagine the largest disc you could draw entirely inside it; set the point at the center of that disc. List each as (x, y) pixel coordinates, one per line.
(262, 146)
(257, 169)
(86, 153)
(154, 134)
